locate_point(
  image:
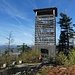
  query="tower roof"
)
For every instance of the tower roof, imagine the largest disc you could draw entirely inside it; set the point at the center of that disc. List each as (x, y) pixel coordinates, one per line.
(46, 11)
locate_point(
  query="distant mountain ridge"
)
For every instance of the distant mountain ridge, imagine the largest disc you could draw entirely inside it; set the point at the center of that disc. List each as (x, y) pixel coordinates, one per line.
(4, 47)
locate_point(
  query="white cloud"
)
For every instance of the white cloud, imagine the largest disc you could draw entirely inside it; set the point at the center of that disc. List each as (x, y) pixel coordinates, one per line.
(20, 33)
(27, 34)
(14, 12)
(33, 4)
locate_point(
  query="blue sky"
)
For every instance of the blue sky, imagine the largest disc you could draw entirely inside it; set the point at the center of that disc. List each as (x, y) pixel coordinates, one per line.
(18, 16)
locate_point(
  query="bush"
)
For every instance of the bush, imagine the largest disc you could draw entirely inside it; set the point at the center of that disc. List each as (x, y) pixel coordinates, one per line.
(64, 60)
(31, 56)
(7, 59)
(61, 58)
(72, 57)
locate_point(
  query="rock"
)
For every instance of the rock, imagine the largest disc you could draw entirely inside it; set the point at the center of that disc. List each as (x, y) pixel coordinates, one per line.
(4, 65)
(20, 61)
(14, 63)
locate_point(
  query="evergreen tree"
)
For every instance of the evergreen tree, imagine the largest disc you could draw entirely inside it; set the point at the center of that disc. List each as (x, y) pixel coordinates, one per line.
(66, 33)
(23, 48)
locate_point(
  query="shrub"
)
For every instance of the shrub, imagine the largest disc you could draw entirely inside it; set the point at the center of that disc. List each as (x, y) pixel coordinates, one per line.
(72, 56)
(64, 60)
(31, 56)
(61, 58)
(7, 59)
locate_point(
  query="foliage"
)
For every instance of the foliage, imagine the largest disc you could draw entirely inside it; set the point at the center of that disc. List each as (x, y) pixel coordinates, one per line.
(61, 58)
(72, 56)
(7, 59)
(66, 32)
(64, 60)
(31, 56)
(23, 48)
